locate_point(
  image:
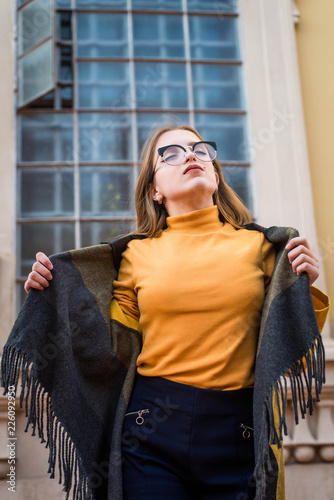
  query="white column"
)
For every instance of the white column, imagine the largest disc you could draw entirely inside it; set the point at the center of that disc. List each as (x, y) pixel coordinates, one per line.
(277, 141)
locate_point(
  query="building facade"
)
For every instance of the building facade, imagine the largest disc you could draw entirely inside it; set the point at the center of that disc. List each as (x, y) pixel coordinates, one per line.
(83, 82)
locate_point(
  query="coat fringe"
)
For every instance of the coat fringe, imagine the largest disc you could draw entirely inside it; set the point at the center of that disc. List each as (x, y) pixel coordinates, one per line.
(301, 381)
(37, 402)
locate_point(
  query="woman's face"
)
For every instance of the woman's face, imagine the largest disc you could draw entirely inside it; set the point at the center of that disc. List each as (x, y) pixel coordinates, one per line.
(191, 183)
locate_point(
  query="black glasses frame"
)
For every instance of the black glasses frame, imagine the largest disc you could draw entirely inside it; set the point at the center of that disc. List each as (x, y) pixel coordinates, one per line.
(163, 149)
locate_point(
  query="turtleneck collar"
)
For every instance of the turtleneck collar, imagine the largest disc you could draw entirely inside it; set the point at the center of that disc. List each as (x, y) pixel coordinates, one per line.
(205, 220)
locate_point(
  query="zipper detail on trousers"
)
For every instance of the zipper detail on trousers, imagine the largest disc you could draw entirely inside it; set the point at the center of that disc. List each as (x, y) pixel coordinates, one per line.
(246, 429)
(140, 418)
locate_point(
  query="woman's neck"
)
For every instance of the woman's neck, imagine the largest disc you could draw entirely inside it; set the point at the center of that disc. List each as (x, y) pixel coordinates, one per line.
(183, 207)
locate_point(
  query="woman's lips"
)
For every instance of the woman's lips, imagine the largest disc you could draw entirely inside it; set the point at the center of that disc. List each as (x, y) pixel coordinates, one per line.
(192, 167)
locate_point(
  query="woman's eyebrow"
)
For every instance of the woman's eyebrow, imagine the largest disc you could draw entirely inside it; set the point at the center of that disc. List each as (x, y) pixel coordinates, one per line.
(191, 143)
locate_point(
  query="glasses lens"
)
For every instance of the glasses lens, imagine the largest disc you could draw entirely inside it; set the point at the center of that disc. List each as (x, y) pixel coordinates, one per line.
(174, 155)
(205, 151)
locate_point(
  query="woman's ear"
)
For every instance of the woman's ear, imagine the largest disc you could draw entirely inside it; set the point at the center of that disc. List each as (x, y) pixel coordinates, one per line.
(217, 179)
(155, 194)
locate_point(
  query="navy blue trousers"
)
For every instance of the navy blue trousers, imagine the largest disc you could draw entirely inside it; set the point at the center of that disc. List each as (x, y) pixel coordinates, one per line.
(185, 443)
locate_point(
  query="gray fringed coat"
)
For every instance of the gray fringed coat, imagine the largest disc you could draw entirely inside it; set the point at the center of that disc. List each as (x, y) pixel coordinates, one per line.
(77, 364)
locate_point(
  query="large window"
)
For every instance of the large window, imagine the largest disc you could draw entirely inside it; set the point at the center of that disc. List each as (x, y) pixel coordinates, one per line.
(95, 75)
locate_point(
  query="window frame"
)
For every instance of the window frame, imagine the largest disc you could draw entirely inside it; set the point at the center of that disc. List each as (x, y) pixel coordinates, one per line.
(134, 112)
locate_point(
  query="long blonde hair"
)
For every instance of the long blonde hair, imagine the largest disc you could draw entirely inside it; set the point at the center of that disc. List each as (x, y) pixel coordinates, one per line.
(151, 217)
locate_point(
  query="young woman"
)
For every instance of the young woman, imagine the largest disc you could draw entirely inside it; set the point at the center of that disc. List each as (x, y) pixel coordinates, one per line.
(194, 285)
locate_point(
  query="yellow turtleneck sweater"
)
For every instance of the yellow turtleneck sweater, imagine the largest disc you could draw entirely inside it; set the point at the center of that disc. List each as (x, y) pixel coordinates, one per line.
(197, 291)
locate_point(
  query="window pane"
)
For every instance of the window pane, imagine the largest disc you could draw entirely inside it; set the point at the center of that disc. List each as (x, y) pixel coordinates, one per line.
(63, 4)
(66, 94)
(104, 85)
(46, 137)
(35, 73)
(157, 4)
(35, 24)
(65, 72)
(161, 85)
(45, 237)
(102, 35)
(64, 25)
(106, 191)
(105, 137)
(228, 131)
(213, 5)
(158, 36)
(239, 180)
(46, 192)
(213, 37)
(115, 4)
(147, 122)
(21, 296)
(217, 86)
(93, 233)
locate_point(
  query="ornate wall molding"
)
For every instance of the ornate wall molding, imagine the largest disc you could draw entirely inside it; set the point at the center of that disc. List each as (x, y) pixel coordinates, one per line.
(312, 440)
(295, 12)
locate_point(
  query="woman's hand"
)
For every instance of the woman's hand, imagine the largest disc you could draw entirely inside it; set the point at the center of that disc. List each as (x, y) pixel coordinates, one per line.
(40, 275)
(302, 259)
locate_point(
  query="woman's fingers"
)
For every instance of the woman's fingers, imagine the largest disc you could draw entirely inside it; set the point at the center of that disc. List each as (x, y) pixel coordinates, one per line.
(302, 259)
(42, 270)
(40, 275)
(43, 259)
(298, 240)
(32, 283)
(35, 280)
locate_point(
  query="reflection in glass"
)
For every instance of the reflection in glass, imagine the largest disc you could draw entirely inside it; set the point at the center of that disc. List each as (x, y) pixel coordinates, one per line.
(64, 26)
(104, 85)
(213, 37)
(66, 94)
(46, 137)
(228, 131)
(105, 137)
(34, 24)
(108, 4)
(147, 122)
(213, 5)
(93, 233)
(157, 4)
(106, 191)
(35, 73)
(217, 86)
(66, 72)
(48, 237)
(158, 36)
(102, 35)
(63, 4)
(46, 192)
(239, 180)
(161, 85)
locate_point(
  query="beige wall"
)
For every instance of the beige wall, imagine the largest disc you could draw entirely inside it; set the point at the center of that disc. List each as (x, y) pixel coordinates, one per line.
(315, 43)
(7, 200)
(7, 171)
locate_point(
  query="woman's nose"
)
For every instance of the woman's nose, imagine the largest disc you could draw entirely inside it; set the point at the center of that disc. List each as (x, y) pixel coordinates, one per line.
(190, 155)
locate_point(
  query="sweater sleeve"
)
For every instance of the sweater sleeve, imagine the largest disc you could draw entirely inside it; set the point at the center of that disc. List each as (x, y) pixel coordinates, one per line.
(124, 291)
(321, 304)
(268, 261)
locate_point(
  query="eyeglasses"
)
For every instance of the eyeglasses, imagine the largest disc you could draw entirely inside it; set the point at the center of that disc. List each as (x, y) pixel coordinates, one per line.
(176, 154)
